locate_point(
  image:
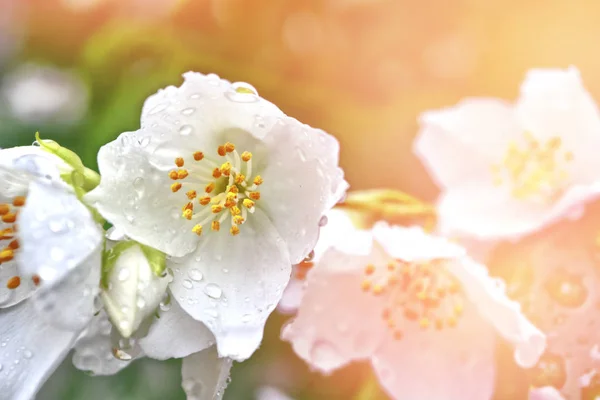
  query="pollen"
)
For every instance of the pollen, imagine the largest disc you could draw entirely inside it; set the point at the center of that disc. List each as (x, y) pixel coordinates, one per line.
(246, 156)
(4, 209)
(365, 285)
(7, 233)
(19, 201)
(226, 169)
(228, 186)
(229, 147)
(6, 255)
(369, 269)
(9, 218)
(14, 245)
(197, 229)
(13, 282)
(254, 195)
(36, 280)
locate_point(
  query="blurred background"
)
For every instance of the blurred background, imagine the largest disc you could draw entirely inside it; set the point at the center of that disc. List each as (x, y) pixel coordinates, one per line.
(79, 70)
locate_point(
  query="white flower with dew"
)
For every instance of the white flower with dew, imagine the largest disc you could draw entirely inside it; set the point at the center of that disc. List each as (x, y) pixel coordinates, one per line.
(416, 306)
(231, 189)
(508, 170)
(49, 268)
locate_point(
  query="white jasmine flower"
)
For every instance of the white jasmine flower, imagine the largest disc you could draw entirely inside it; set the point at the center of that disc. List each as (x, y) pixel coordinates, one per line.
(509, 170)
(231, 189)
(415, 305)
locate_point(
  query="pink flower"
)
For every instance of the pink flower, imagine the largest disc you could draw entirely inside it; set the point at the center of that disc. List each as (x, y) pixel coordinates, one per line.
(416, 306)
(507, 170)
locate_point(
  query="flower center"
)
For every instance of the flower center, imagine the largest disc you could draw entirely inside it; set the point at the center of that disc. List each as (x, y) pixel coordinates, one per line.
(423, 293)
(8, 242)
(534, 170)
(217, 191)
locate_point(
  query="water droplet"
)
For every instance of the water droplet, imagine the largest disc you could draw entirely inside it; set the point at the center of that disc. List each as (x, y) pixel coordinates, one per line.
(138, 184)
(158, 108)
(144, 142)
(188, 111)
(549, 371)
(186, 130)
(195, 96)
(165, 306)
(242, 93)
(57, 225)
(141, 303)
(310, 256)
(27, 354)
(123, 274)
(187, 284)
(214, 291)
(195, 274)
(323, 352)
(122, 355)
(1, 367)
(246, 318)
(211, 312)
(301, 154)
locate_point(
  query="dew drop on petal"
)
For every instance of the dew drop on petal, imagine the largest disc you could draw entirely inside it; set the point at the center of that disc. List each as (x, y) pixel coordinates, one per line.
(188, 111)
(246, 318)
(158, 108)
(213, 291)
(123, 274)
(186, 130)
(567, 290)
(27, 354)
(195, 96)
(195, 274)
(323, 221)
(187, 284)
(138, 184)
(141, 303)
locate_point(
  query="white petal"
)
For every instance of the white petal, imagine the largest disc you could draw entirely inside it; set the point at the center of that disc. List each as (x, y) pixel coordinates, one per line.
(33, 161)
(505, 315)
(93, 350)
(460, 143)
(302, 182)
(232, 284)
(31, 351)
(134, 291)
(554, 102)
(69, 304)
(57, 233)
(204, 376)
(9, 297)
(413, 244)
(545, 393)
(199, 115)
(136, 198)
(338, 323)
(174, 334)
(450, 364)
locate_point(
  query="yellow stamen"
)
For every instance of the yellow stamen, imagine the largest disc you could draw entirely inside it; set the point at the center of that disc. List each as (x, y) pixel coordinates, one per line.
(258, 180)
(191, 194)
(365, 285)
(216, 173)
(233, 189)
(6, 255)
(198, 155)
(19, 201)
(238, 220)
(215, 226)
(187, 214)
(36, 280)
(424, 323)
(248, 203)
(217, 208)
(182, 173)
(235, 210)
(221, 151)
(13, 282)
(197, 229)
(369, 269)
(204, 200)
(173, 175)
(235, 230)
(179, 162)
(239, 179)
(254, 195)
(210, 187)
(246, 156)
(377, 289)
(9, 218)
(226, 168)
(4, 209)
(14, 245)
(175, 187)
(229, 147)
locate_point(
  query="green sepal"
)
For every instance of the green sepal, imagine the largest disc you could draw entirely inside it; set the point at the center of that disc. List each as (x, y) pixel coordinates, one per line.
(156, 259)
